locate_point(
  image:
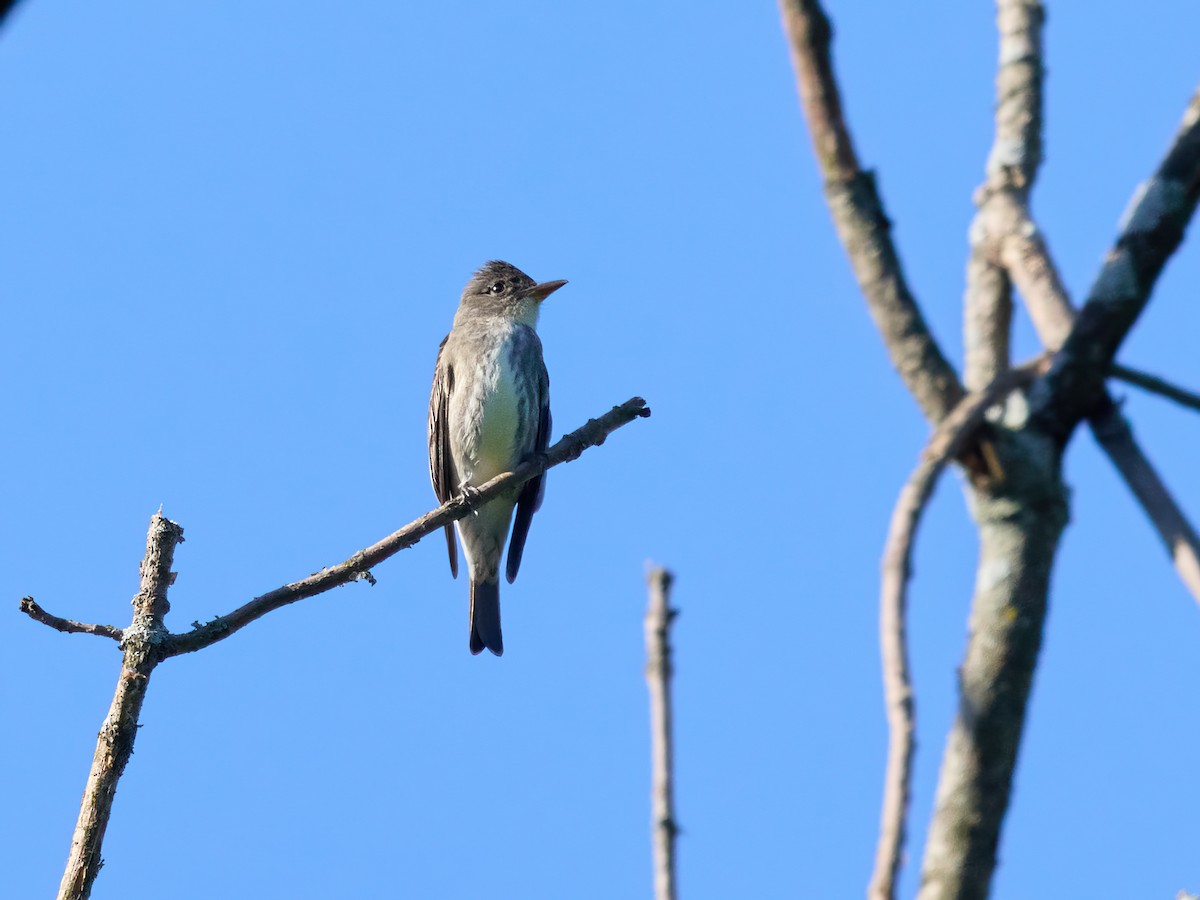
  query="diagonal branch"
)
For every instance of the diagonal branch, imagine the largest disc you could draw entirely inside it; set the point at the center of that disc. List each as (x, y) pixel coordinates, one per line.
(1115, 436)
(592, 434)
(948, 442)
(861, 221)
(66, 626)
(1032, 269)
(659, 671)
(1153, 229)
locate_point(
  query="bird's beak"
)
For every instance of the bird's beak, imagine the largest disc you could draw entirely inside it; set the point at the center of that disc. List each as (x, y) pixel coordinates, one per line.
(545, 289)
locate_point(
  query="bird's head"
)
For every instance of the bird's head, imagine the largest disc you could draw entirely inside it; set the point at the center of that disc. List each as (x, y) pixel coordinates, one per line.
(501, 288)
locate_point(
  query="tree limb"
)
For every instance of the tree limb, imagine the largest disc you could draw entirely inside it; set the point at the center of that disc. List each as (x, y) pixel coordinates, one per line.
(1115, 436)
(948, 442)
(29, 606)
(861, 221)
(1027, 257)
(592, 434)
(1020, 519)
(1153, 229)
(659, 670)
(114, 745)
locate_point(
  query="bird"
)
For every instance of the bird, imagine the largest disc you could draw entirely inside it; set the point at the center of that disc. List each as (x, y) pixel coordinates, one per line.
(489, 410)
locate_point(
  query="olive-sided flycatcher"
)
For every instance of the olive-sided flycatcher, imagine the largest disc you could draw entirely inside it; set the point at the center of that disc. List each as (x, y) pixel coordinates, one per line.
(488, 411)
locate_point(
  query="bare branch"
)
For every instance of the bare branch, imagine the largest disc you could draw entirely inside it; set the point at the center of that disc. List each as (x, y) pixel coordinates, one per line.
(1017, 149)
(1153, 229)
(947, 443)
(114, 745)
(659, 616)
(1012, 167)
(29, 606)
(1020, 520)
(1114, 435)
(1023, 251)
(859, 216)
(1155, 385)
(987, 321)
(1036, 276)
(592, 434)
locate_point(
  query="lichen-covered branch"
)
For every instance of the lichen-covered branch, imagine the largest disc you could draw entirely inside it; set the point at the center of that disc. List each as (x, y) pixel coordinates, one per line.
(861, 221)
(141, 644)
(592, 434)
(1020, 520)
(659, 670)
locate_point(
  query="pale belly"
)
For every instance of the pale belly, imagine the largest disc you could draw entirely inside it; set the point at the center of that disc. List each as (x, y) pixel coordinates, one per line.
(487, 445)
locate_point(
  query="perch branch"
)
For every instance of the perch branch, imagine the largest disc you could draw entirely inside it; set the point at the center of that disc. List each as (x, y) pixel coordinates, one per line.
(861, 221)
(66, 626)
(948, 441)
(658, 679)
(114, 745)
(592, 434)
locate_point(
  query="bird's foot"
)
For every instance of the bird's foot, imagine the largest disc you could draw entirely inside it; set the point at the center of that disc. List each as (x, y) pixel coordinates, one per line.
(470, 495)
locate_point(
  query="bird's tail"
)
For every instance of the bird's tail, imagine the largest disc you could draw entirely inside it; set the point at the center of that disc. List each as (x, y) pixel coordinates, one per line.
(485, 616)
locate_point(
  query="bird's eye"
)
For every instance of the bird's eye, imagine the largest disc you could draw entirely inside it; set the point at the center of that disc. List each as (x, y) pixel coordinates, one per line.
(497, 287)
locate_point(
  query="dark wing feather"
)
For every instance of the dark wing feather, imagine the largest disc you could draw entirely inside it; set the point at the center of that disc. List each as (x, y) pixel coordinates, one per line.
(441, 466)
(530, 498)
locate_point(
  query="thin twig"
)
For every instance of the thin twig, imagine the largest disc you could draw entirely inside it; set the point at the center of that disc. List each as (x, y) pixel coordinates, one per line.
(862, 223)
(948, 442)
(1155, 385)
(114, 745)
(592, 434)
(66, 626)
(659, 670)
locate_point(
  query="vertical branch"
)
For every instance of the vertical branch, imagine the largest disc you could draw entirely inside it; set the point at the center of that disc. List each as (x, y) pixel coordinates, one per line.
(1020, 520)
(658, 678)
(114, 744)
(1012, 166)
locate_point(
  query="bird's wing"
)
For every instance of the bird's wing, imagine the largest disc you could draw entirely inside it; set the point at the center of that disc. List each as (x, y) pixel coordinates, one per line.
(441, 466)
(530, 498)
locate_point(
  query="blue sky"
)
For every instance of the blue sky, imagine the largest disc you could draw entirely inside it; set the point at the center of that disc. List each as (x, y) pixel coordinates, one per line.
(233, 235)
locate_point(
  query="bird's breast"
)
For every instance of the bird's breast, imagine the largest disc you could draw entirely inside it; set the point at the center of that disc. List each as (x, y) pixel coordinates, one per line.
(492, 435)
